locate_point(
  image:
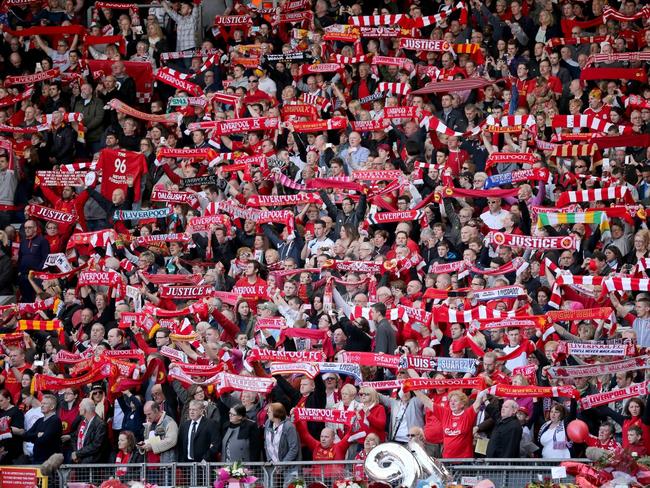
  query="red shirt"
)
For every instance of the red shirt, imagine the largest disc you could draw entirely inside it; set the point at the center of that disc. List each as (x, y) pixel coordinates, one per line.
(450, 74)
(457, 433)
(555, 84)
(74, 206)
(364, 92)
(610, 445)
(524, 87)
(374, 422)
(602, 113)
(455, 160)
(57, 242)
(335, 452)
(432, 427)
(252, 300)
(12, 384)
(645, 438)
(68, 417)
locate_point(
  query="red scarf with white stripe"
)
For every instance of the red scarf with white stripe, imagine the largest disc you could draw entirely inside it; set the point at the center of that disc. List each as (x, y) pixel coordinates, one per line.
(596, 195)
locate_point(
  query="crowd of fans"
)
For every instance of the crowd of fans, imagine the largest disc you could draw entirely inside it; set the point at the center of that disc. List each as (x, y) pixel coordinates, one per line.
(295, 233)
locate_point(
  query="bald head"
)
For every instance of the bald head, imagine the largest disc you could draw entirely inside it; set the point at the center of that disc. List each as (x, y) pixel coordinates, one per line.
(509, 408)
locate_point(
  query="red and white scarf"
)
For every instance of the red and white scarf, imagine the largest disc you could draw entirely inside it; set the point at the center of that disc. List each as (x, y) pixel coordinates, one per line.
(30, 79)
(324, 415)
(236, 126)
(581, 121)
(50, 214)
(178, 80)
(401, 89)
(581, 371)
(597, 195)
(122, 107)
(636, 390)
(283, 200)
(335, 123)
(532, 242)
(524, 391)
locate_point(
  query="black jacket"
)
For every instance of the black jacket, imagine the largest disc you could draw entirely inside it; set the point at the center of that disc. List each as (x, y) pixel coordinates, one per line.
(370, 83)
(95, 443)
(61, 144)
(455, 119)
(108, 206)
(207, 441)
(49, 442)
(247, 430)
(505, 439)
(286, 249)
(357, 340)
(339, 217)
(7, 274)
(290, 397)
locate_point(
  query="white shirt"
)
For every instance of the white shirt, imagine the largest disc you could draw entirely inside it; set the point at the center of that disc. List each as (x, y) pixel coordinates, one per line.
(521, 360)
(494, 221)
(272, 442)
(31, 417)
(194, 425)
(642, 329)
(401, 434)
(315, 244)
(553, 442)
(118, 416)
(267, 85)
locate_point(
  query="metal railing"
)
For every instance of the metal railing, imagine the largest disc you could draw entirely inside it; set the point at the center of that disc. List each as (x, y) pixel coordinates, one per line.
(510, 473)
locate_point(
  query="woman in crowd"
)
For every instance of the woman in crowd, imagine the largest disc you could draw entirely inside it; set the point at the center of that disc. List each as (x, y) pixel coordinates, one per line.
(241, 438)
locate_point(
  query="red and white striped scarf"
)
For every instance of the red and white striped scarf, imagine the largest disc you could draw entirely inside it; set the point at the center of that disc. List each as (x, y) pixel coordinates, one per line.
(517, 120)
(581, 121)
(438, 18)
(390, 61)
(340, 59)
(375, 20)
(431, 122)
(402, 89)
(625, 284)
(596, 195)
(313, 99)
(613, 57)
(87, 165)
(445, 314)
(611, 13)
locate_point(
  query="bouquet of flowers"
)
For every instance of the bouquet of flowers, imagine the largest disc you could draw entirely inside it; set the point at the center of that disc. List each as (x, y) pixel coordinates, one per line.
(234, 476)
(297, 483)
(351, 483)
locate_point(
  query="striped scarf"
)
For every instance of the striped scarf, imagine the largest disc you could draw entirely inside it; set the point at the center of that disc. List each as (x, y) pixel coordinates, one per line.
(402, 89)
(375, 20)
(596, 195)
(611, 13)
(613, 57)
(559, 218)
(582, 121)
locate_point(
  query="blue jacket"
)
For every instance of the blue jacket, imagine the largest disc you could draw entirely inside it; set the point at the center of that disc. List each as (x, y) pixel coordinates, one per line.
(33, 253)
